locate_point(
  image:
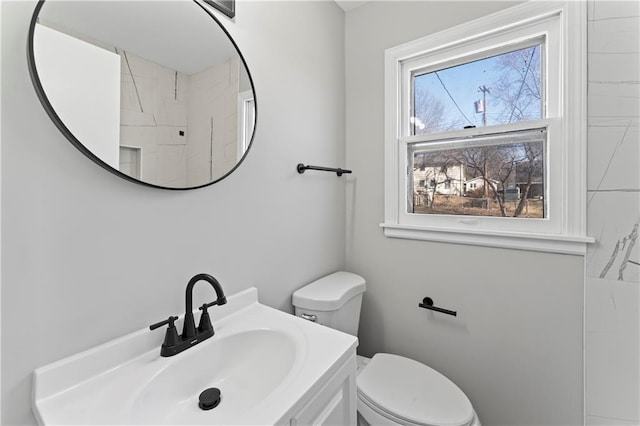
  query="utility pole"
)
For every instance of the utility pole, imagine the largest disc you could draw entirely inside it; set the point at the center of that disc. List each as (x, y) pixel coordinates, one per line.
(484, 91)
(485, 175)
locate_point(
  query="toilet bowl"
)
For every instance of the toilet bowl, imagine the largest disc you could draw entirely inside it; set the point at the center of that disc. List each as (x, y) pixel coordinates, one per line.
(392, 389)
(396, 390)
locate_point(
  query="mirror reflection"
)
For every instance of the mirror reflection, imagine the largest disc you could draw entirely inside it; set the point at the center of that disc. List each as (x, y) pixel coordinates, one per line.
(155, 90)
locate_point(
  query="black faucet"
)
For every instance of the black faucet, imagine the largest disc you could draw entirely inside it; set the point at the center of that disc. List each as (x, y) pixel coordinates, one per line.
(191, 336)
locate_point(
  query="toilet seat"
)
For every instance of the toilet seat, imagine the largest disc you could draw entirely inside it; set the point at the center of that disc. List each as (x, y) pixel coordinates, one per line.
(411, 393)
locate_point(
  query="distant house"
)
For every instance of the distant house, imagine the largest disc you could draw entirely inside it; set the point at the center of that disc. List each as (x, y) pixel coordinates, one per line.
(536, 189)
(442, 180)
(478, 183)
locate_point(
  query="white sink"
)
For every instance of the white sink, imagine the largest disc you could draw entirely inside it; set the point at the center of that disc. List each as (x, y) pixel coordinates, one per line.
(233, 364)
(263, 361)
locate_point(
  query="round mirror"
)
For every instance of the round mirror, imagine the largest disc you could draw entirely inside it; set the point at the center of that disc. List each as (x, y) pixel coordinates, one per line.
(156, 92)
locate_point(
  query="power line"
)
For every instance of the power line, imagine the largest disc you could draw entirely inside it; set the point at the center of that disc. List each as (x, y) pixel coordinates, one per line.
(451, 97)
(524, 79)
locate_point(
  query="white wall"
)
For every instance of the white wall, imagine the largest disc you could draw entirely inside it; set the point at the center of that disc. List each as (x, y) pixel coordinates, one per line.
(612, 354)
(92, 112)
(88, 256)
(516, 346)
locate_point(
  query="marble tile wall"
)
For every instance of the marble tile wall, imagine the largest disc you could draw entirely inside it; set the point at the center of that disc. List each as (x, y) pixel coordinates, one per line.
(612, 320)
(213, 121)
(158, 103)
(154, 112)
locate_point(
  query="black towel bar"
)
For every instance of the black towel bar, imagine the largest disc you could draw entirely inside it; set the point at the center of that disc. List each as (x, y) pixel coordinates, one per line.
(301, 168)
(427, 303)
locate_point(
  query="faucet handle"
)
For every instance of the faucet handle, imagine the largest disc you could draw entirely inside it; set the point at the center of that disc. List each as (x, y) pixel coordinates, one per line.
(169, 321)
(171, 338)
(205, 320)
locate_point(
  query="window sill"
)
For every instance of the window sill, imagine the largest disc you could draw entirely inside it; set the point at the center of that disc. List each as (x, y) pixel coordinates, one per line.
(549, 243)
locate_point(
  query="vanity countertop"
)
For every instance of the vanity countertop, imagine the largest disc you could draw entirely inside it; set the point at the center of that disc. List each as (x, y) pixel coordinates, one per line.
(266, 363)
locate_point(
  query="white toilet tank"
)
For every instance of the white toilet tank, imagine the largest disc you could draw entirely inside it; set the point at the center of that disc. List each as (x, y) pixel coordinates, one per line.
(333, 301)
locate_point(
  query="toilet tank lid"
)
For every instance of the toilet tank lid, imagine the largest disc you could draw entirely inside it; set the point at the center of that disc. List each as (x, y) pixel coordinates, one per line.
(329, 293)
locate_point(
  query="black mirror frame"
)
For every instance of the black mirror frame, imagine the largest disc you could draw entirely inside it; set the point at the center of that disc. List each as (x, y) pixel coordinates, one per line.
(35, 79)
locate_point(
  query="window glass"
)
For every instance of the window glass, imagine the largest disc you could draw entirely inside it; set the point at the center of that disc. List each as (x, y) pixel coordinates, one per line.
(492, 175)
(500, 89)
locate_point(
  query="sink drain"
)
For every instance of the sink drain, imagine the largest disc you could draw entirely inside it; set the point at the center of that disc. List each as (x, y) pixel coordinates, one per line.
(209, 398)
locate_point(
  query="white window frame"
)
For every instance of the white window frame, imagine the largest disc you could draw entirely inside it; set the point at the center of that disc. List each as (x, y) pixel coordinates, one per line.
(563, 27)
(246, 121)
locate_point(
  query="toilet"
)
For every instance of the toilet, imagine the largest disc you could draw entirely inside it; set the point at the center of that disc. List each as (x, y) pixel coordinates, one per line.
(392, 389)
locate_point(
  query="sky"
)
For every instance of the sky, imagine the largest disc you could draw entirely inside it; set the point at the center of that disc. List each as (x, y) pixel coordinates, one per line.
(458, 88)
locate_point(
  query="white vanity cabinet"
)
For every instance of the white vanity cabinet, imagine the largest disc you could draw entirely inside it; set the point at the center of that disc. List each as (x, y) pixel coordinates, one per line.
(335, 401)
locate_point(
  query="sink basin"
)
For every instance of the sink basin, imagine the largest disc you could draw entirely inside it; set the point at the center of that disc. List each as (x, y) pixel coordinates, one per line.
(246, 367)
(265, 363)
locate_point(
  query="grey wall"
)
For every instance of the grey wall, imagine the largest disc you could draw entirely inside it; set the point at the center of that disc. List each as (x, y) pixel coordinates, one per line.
(87, 256)
(516, 346)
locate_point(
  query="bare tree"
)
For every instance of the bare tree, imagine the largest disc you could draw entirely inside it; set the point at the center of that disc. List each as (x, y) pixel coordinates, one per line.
(498, 165)
(518, 90)
(532, 162)
(518, 86)
(429, 114)
(490, 163)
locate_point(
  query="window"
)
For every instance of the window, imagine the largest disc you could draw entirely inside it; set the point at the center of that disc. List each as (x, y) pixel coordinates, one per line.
(485, 132)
